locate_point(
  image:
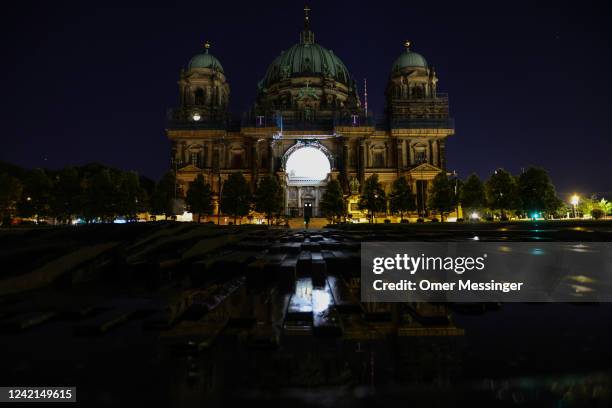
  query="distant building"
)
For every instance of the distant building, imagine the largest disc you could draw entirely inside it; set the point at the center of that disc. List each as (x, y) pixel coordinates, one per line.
(308, 99)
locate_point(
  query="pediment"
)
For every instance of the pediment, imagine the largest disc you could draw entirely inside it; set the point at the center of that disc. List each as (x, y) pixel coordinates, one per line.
(189, 167)
(425, 168)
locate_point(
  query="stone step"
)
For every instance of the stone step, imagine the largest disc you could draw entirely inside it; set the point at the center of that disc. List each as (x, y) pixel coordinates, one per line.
(304, 263)
(344, 299)
(326, 319)
(311, 246)
(318, 270)
(287, 274)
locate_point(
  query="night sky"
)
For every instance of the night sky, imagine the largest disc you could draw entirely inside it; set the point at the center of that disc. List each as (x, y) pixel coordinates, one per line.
(528, 85)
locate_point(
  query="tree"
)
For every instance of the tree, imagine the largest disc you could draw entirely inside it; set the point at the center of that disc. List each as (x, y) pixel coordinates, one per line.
(590, 205)
(199, 197)
(128, 195)
(67, 195)
(536, 192)
(373, 197)
(236, 196)
(332, 203)
(401, 200)
(472, 195)
(162, 201)
(36, 195)
(501, 191)
(100, 196)
(10, 193)
(269, 197)
(442, 197)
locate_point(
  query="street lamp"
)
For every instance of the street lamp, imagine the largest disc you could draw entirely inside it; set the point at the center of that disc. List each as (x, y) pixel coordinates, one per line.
(574, 201)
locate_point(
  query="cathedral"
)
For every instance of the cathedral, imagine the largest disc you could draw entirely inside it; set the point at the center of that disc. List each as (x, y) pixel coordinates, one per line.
(307, 99)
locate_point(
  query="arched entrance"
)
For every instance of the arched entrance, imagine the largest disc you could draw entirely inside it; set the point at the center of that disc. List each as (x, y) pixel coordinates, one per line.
(307, 166)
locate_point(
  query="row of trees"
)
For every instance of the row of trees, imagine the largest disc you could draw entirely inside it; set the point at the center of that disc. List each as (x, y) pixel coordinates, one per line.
(527, 194)
(237, 200)
(92, 192)
(96, 192)
(99, 193)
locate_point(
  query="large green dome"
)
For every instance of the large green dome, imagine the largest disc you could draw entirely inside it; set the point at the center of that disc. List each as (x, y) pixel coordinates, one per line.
(409, 59)
(306, 59)
(205, 60)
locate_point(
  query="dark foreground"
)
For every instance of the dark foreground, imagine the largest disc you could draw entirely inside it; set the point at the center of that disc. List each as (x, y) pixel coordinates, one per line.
(181, 314)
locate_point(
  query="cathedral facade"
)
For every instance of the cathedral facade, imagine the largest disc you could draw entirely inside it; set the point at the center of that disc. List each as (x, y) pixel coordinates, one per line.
(308, 99)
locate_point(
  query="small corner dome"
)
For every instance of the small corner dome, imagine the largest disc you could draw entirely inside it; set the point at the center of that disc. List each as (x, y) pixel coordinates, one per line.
(409, 59)
(205, 60)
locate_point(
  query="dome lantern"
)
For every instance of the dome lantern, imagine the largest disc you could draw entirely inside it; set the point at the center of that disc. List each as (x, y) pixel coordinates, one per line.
(306, 36)
(409, 59)
(205, 60)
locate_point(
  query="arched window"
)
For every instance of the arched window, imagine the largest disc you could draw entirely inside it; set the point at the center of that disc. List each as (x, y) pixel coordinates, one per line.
(199, 96)
(195, 159)
(420, 155)
(378, 159)
(237, 161)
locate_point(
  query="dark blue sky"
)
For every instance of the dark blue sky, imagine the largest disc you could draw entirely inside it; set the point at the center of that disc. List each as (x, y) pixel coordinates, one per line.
(529, 84)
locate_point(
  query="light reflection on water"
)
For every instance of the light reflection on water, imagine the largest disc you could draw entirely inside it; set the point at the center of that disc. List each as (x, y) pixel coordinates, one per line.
(301, 301)
(321, 300)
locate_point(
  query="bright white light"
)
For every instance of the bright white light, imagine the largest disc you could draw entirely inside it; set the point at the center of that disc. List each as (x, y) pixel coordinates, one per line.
(575, 199)
(309, 163)
(196, 116)
(474, 216)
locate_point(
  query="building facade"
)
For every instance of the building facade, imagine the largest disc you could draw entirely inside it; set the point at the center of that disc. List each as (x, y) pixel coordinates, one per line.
(308, 99)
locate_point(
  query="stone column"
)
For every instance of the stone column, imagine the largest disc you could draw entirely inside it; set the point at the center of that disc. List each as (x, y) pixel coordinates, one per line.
(345, 156)
(399, 162)
(362, 161)
(435, 155)
(410, 154)
(271, 156)
(253, 159)
(183, 153)
(442, 149)
(216, 156)
(387, 161)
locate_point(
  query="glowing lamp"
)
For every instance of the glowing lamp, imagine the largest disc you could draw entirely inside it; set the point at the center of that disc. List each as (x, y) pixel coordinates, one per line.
(575, 199)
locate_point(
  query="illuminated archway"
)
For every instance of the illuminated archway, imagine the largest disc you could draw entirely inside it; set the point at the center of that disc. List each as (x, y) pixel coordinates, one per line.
(307, 163)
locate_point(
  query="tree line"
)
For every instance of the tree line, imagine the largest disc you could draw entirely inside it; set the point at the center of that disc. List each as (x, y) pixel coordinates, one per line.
(92, 193)
(97, 193)
(530, 194)
(237, 200)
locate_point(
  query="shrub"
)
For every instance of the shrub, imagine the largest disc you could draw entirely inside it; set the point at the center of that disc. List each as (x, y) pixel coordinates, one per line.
(597, 213)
